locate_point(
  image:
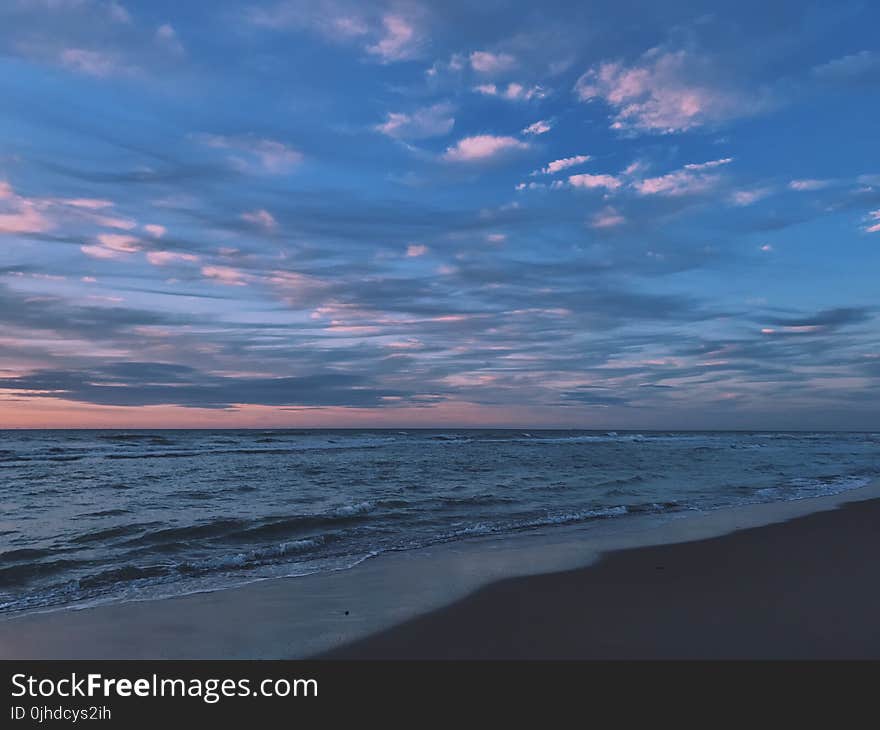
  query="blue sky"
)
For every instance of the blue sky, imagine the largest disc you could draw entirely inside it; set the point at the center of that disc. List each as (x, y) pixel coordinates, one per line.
(332, 213)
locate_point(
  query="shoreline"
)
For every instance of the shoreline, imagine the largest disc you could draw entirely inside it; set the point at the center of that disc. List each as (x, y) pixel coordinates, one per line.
(804, 589)
(356, 612)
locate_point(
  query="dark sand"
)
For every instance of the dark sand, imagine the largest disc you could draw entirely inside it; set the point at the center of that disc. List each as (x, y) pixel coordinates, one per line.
(804, 589)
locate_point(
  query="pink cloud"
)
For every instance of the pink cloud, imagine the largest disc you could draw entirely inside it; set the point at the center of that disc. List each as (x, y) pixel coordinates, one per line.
(398, 42)
(491, 63)
(666, 92)
(513, 92)
(261, 218)
(562, 164)
(808, 184)
(748, 197)
(874, 215)
(112, 246)
(607, 218)
(124, 224)
(690, 180)
(482, 147)
(119, 242)
(584, 180)
(539, 127)
(431, 121)
(100, 252)
(708, 165)
(91, 63)
(225, 275)
(27, 218)
(164, 258)
(263, 155)
(389, 37)
(156, 231)
(21, 215)
(414, 250)
(87, 203)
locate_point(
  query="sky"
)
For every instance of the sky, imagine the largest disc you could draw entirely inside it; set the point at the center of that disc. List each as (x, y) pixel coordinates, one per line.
(280, 213)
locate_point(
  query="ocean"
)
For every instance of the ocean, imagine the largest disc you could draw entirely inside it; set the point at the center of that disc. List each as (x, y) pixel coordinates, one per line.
(96, 516)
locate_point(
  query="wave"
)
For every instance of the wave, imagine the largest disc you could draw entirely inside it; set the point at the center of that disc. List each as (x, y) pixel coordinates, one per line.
(107, 513)
(268, 451)
(286, 525)
(564, 518)
(240, 530)
(251, 558)
(25, 554)
(111, 533)
(151, 437)
(15, 575)
(213, 528)
(121, 575)
(130, 578)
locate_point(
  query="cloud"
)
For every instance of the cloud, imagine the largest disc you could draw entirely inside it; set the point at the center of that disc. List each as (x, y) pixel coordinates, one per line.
(585, 180)
(608, 217)
(260, 154)
(94, 38)
(708, 165)
(87, 203)
(512, 92)
(158, 383)
(20, 215)
(414, 250)
(167, 37)
(594, 395)
(751, 196)
(692, 179)
(482, 147)
(874, 227)
(857, 69)
(399, 42)
(100, 252)
(166, 258)
(803, 185)
(92, 63)
(826, 320)
(539, 127)
(562, 164)
(227, 275)
(664, 92)
(334, 20)
(491, 63)
(388, 37)
(432, 121)
(261, 218)
(156, 231)
(112, 246)
(119, 242)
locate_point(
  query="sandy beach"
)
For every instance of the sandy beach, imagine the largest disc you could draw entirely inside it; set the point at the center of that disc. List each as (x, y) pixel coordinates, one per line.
(798, 590)
(774, 580)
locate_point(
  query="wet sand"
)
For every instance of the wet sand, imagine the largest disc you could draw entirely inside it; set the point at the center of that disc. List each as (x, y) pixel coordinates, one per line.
(804, 589)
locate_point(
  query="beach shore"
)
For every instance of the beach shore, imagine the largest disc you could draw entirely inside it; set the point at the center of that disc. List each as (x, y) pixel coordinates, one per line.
(777, 580)
(805, 589)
